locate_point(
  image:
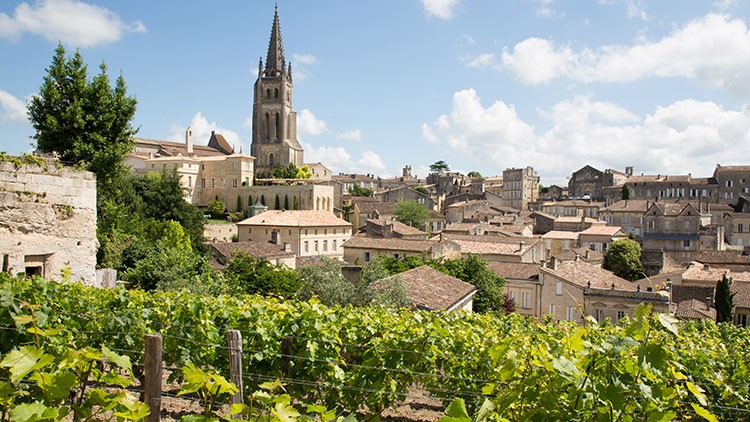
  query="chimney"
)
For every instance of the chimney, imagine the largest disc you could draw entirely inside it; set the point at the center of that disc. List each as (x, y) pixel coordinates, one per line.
(189, 140)
(553, 263)
(287, 247)
(577, 258)
(520, 245)
(706, 267)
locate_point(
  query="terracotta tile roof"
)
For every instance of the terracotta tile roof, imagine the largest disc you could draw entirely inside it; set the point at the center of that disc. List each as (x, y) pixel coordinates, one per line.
(741, 290)
(573, 203)
(174, 148)
(431, 289)
(460, 227)
(674, 208)
(566, 219)
(733, 168)
(466, 203)
(707, 273)
(603, 230)
(289, 218)
(259, 250)
(722, 257)
(628, 205)
(515, 270)
(694, 309)
(492, 248)
(583, 253)
(398, 227)
(389, 244)
(560, 234)
(581, 273)
(383, 208)
(492, 239)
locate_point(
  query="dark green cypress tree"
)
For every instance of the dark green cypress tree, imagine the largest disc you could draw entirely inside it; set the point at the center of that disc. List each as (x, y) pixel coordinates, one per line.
(263, 199)
(239, 203)
(286, 202)
(276, 204)
(295, 203)
(723, 300)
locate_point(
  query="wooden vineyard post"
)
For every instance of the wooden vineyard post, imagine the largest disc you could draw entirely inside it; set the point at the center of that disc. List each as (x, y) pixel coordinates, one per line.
(234, 344)
(286, 356)
(152, 376)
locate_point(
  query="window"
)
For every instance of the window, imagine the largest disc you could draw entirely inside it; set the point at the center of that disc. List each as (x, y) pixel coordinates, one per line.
(316, 246)
(513, 296)
(553, 310)
(334, 245)
(190, 181)
(203, 183)
(570, 313)
(325, 246)
(599, 315)
(620, 315)
(6, 263)
(367, 256)
(526, 300)
(558, 288)
(212, 183)
(729, 183)
(307, 246)
(234, 183)
(651, 224)
(687, 225)
(740, 228)
(686, 244)
(740, 319)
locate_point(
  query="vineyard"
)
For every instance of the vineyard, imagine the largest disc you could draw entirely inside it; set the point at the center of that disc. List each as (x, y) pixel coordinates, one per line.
(340, 361)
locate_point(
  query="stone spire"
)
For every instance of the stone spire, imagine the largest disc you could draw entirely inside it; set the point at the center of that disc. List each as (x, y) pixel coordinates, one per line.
(275, 59)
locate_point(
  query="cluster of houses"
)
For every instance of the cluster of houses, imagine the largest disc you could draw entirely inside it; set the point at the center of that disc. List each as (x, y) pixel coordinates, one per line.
(548, 244)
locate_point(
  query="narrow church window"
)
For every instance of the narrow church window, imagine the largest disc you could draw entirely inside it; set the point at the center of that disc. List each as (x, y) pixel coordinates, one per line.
(268, 127)
(270, 159)
(268, 93)
(276, 93)
(278, 127)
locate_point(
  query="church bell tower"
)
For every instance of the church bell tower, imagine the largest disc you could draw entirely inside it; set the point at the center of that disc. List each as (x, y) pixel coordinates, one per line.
(274, 138)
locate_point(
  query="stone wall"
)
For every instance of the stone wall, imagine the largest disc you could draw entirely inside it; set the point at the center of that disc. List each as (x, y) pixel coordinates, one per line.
(48, 221)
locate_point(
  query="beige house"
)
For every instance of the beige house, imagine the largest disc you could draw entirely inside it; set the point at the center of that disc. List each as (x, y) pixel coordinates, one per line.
(520, 186)
(679, 229)
(430, 289)
(521, 284)
(572, 208)
(558, 241)
(574, 224)
(737, 228)
(627, 214)
(573, 289)
(599, 237)
(308, 232)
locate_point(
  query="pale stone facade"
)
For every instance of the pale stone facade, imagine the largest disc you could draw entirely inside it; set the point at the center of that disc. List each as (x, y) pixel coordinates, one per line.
(520, 186)
(737, 228)
(48, 221)
(309, 233)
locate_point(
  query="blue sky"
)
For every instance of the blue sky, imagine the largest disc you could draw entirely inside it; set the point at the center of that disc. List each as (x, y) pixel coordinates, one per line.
(483, 85)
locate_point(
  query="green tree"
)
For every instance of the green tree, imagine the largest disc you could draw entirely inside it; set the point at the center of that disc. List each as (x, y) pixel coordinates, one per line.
(239, 203)
(295, 203)
(216, 207)
(357, 190)
(276, 203)
(625, 192)
(439, 166)
(303, 172)
(285, 172)
(422, 189)
(624, 259)
(86, 122)
(258, 276)
(412, 213)
(724, 300)
(286, 201)
(474, 174)
(473, 270)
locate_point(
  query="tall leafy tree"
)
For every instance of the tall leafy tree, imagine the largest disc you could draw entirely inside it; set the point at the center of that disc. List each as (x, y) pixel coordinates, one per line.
(723, 300)
(87, 122)
(412, 213)
(624, 259)
(439, 166)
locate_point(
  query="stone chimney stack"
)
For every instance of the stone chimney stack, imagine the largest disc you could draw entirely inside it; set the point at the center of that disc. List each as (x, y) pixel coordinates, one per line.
(189, 140)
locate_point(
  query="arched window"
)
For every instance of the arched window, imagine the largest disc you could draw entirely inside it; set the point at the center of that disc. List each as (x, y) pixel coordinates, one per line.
(276, 93)
(268, 92)
(270, 159)
(268, 127)
(278, 127)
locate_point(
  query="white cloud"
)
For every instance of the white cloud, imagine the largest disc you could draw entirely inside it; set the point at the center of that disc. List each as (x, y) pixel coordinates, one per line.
(202, 132)
(714, 49)
(442, 9)
(687, 136)
(308, 124)
(481, 61)
(71, 21)
(12, 109)
(339, 159)
(545, 10)
(351, 135)
(301, 63)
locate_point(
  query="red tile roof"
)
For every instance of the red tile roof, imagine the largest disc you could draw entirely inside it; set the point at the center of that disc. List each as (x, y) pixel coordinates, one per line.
(431, 289)
(292, 218)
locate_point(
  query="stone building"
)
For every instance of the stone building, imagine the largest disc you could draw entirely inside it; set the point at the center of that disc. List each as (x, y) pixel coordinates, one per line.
(520, 186)
(680, 230)
(590, 182)
(48, 221)
(733, 182)
(274, 134)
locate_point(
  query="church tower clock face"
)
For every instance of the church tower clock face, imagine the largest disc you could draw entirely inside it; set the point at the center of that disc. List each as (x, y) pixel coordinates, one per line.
(274, 132)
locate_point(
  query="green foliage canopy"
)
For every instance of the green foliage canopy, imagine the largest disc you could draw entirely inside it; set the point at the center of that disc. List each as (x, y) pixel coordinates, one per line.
(724, 300)
(258, 276)
(624, 259)
(357, 190)
(439, 166)
(412, 213)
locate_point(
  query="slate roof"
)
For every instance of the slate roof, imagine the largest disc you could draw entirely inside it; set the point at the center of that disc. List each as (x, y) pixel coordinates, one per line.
(431, 289)
(295, 218)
